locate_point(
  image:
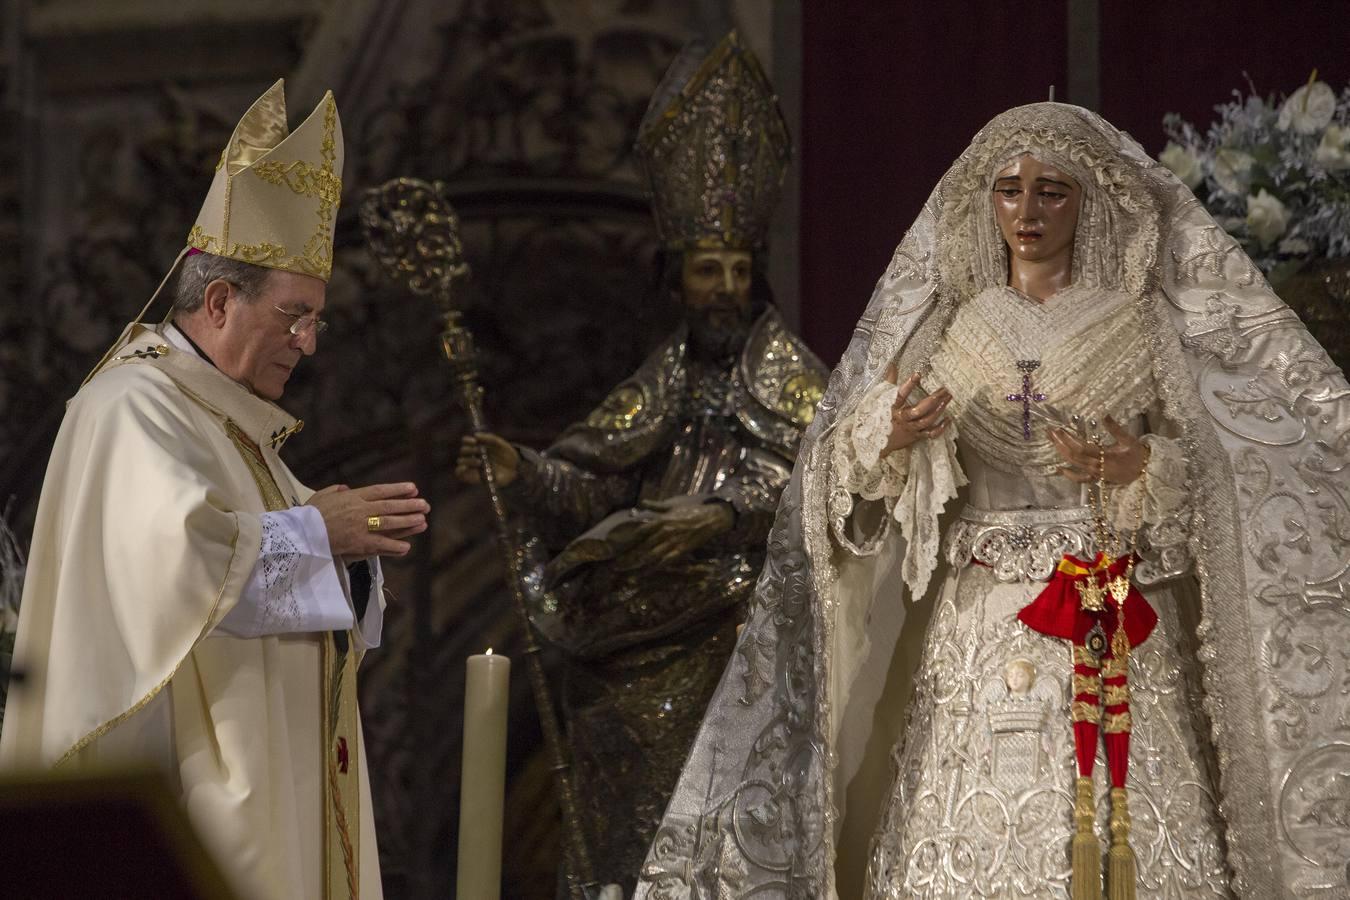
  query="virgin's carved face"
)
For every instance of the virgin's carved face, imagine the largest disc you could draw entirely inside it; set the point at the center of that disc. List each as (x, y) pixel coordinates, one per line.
(1037, 210)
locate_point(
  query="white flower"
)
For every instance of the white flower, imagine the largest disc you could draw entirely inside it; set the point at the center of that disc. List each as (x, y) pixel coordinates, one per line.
(1309, 109)
(1232, 170)
(1183, 163)
(1333, 153)
(1267, 217)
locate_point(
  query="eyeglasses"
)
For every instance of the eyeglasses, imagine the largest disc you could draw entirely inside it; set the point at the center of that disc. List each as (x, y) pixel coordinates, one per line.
(303, 322)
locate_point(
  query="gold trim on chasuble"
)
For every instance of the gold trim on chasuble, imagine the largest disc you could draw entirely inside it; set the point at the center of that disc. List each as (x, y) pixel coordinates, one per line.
(136, 707)
(341, 783)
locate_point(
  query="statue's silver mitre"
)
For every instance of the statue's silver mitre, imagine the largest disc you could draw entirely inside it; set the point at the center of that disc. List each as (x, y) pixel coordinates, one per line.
(714, 147)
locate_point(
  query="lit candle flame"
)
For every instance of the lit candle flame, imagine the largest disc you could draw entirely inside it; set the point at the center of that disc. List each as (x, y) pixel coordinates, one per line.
(489, 652)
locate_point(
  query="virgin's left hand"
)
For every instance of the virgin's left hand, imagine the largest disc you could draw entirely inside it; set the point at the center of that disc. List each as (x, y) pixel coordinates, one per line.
(680, 529)
(1125, 459)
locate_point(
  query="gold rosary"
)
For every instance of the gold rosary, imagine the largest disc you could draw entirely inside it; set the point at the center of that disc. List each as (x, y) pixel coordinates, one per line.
(1092, 593)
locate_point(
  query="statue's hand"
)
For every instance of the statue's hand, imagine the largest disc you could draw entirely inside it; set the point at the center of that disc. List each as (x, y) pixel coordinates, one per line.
(913, 422)
(505, 459)
(680, 529)
(1119, 463)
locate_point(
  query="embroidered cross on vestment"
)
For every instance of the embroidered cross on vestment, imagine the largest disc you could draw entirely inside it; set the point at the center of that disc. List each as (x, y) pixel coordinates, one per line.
(1028, 396)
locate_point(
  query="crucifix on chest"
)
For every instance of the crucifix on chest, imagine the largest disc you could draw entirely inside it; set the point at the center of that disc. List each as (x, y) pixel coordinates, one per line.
(1028, 395)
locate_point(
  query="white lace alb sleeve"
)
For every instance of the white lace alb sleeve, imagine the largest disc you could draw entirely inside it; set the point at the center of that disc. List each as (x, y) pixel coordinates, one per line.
(1163, 489)
(859, 464)
(294, 586)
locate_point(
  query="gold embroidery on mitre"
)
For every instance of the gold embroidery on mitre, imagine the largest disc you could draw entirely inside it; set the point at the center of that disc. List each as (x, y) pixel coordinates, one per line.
(273, 199)
(263, 254)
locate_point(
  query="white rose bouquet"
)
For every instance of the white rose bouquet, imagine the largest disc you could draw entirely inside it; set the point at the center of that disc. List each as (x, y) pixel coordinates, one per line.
(1276, 174)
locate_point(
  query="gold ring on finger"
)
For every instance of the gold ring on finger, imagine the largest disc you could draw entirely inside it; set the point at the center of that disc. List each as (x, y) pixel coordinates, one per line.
(373, 523)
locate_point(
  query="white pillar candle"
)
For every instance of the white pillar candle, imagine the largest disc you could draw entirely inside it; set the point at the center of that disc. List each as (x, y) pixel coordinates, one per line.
(482, 789)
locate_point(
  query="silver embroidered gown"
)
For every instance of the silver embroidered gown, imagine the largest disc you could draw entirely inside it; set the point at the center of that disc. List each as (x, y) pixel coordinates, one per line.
(982, 800)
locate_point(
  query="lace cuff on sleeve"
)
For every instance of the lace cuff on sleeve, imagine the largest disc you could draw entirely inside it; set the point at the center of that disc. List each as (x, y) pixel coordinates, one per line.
(914, 484)
(1167, 510)
(294, 586)
(859, 466)
(1164, 488)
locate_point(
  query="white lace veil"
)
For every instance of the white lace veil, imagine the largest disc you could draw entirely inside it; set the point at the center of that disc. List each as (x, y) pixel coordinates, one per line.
(1265, 418)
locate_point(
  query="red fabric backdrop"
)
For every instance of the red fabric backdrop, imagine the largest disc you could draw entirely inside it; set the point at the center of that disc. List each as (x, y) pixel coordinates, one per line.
(892, 92)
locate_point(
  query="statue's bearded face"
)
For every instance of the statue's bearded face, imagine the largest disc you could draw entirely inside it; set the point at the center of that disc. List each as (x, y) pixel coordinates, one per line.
(717, 281)
(715, 287)
(1037, 209)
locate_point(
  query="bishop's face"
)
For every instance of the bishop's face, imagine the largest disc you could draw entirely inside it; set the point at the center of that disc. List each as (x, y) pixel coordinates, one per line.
(257, 348)
(1037, 210)
(715, 286)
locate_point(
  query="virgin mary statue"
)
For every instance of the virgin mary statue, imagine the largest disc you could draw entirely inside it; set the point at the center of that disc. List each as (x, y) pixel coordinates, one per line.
(1068, 377)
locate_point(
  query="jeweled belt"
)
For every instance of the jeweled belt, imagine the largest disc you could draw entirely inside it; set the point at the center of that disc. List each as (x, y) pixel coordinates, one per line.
(1020, 544)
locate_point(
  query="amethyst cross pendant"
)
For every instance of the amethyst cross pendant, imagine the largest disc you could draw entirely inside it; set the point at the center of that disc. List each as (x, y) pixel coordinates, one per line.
(1028, 396)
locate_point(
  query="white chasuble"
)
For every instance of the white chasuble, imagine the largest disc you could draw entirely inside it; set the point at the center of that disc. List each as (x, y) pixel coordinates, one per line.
(147, 531)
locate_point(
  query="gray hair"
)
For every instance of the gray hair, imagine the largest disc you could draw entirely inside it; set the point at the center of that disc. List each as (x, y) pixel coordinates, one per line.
(200, 269)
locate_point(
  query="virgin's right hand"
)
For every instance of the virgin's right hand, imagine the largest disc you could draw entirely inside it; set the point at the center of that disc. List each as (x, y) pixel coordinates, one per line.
(505, 459)
(912, 422)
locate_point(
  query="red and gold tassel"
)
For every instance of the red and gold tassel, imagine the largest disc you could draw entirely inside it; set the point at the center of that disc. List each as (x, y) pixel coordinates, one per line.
(1086, 714)
(1072, 606)
(1121, 866)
